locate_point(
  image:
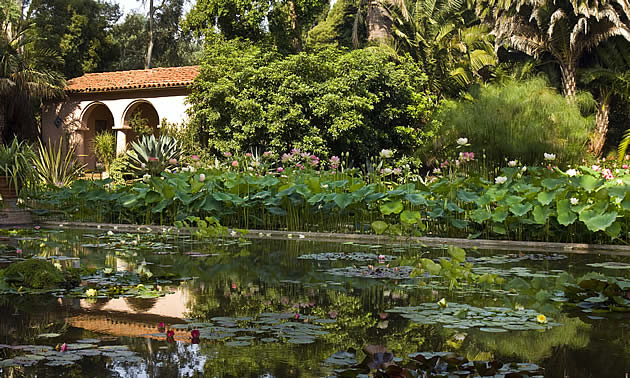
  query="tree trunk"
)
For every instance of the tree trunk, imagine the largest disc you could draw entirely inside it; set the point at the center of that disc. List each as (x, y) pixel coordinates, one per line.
(601, 125)
(379, 24)
(147, 62)
(296, 40)
(569, 74)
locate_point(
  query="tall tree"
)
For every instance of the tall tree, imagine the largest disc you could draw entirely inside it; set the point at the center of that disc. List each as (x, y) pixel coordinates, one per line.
(24, 72)
(79, 30)
(564, 29)
(284, 22)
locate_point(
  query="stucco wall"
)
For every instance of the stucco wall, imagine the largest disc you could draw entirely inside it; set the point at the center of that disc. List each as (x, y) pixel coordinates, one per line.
(74, 112)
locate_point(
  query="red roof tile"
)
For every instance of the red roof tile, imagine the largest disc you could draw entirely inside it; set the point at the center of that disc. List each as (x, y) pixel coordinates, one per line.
(136, 79)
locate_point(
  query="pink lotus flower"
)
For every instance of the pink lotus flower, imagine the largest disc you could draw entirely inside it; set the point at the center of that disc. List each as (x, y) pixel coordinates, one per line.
(297, 316)
(280, 169)
(227, 154)
(235, 163)
(249, 154)
(37, 227)
(625, 166)
(194, 157)
(172, 161)
(64, 347)
(18, 251)
(381, 257)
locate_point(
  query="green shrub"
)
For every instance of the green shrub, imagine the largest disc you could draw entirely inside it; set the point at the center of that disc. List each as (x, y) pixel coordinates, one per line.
(140, 125)
(119, 169)
(56, 167)
(521, 120)
(16, 162)
(248, 98)
(104, 148)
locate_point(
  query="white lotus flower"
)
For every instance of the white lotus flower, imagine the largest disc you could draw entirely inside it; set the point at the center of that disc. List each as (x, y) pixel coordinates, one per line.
(146, 177)
(500, 180)
(571, 172)
(574, 201)
(549, 156)
(386, 154)
(512, 163)
(462, 141)
(202, 177)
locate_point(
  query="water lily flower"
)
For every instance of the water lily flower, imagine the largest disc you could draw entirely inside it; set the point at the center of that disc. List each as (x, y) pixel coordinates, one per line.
(91, 293)
(386, 154)
(571, 172)
(462, 141)
(194, 334)
(512, 163)
(110, 233)
(523, 169)
(437, 171)
(442, 303)
(170, 335)
(296, 316)
(37, 227)
(608, 175)
(549, 156)
(161, 325)
(332, 314)
(172, 161)
(519, 307)
(249, 154)
(202, 177)
(280, 170)
(500, 180)
(625, 166)
(64, 347)
(381, 257)
(541, 319)
(574, 201)
(18, 251)
(235, 163)
(595, 167)
(194, 157)
(387, 171)
(146, 178)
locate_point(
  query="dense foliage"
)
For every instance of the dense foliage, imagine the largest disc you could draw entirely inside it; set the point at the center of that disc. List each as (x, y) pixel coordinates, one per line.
(248, 98)
(521, 120)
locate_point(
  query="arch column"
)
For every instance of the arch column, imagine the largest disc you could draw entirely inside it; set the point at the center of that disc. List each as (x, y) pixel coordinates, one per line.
(121, 141)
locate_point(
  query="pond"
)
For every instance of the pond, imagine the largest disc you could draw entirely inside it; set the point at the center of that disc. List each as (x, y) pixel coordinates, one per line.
(297, 308)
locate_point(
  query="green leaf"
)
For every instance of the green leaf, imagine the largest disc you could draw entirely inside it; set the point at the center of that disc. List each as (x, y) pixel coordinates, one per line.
(499, 214)
(590, 183)
(520, 209)
(379, 227)
(430, 266)
(545, 198)
(551, 184)
(465, 196)
(597, 222)
(416, 199)
(480, 215)
(343, 200)
(392, 207)
(565, 215)
(458, 254)
(410, 217)
(541, 214)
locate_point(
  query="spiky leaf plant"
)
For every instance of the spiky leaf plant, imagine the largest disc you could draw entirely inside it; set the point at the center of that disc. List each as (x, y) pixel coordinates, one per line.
(152, 156)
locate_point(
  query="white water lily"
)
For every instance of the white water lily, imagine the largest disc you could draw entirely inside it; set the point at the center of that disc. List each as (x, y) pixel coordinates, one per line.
(571, 172)
(523, 169)
(386, 154)
(146, 177)
(574, 201)
(202, 177)
(549, 156)
(462, 141)
(500, 180)
(512, 163)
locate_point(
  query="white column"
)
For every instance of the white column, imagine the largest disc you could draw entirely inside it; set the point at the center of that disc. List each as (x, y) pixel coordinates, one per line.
(121, 142)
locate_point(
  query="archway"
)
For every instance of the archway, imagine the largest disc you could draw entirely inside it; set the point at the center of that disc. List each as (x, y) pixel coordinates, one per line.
(140, 118)
(96, 118)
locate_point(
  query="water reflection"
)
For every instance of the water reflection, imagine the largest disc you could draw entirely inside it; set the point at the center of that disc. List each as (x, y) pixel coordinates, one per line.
(246, 280)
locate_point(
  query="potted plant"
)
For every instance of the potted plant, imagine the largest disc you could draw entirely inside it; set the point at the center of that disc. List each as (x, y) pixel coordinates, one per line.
(16, 168)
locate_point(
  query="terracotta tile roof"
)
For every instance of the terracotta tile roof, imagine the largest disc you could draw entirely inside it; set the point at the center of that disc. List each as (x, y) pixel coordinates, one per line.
(136, 79)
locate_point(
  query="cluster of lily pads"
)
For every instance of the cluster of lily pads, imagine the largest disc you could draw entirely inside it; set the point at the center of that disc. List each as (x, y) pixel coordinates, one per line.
(266, 327)
(66, 354)
(486, 319)
(383, 364)
(352, 256)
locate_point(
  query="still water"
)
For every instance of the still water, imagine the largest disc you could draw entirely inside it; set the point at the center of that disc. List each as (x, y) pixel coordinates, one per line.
(291, 308)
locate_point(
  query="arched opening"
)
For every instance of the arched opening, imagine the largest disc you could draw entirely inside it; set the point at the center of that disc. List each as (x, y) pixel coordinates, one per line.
(140, 118)
(96, 118)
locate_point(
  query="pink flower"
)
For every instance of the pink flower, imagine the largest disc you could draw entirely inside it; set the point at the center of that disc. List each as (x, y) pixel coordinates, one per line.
(161, 325)
(267, 153)
(170, 335)
(151, 158)
(280, 169)
(64, 347)
(172, 161)
(249, 154)
(608, 175)
(18, 251)
(381, 257)
(227, 154)
(37, 227)
(625, 166)
(194, 157)
(297, 316)
(285, 158)
(332, 314)
(194, 333)
(235, 163)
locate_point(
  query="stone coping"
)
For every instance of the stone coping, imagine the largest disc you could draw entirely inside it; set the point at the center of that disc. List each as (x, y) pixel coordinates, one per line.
(530, 246)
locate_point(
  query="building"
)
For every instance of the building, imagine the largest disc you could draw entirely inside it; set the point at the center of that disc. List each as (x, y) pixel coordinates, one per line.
(107, 101)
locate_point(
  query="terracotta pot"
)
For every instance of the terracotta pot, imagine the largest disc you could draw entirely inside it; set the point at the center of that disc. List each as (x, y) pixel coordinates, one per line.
(7, 188)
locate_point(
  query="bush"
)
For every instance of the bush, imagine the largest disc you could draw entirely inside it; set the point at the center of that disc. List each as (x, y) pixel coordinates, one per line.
(521, 120)
(37, 273)
(151, 155)
(104, 148)
(248, 98)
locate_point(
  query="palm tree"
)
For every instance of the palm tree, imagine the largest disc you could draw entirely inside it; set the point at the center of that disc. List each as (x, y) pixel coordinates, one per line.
(608, 77)
(452, 46)
(377, 22)
(23, 73)
(565, 29)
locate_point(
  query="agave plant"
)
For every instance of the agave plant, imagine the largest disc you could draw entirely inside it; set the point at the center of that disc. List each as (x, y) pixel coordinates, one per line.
(55, 166)
(152, 156)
